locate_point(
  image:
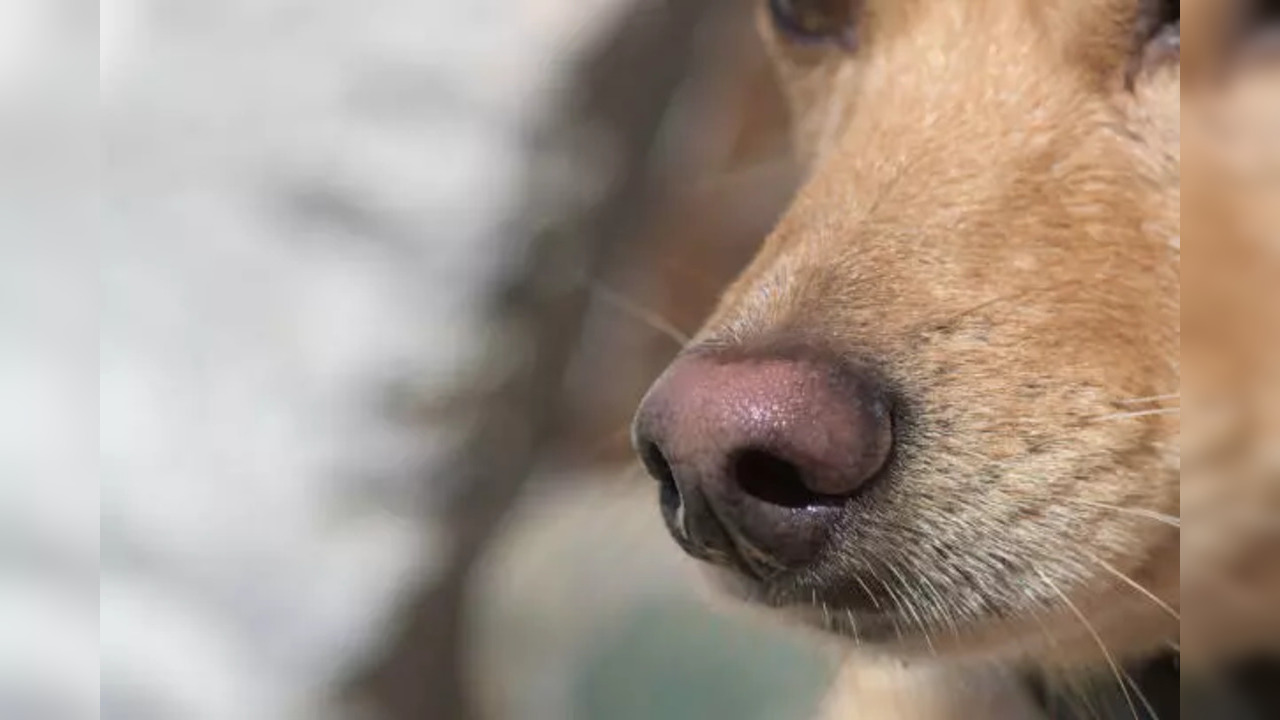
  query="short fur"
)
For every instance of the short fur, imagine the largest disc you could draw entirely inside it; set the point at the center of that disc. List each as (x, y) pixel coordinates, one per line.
(991, 221)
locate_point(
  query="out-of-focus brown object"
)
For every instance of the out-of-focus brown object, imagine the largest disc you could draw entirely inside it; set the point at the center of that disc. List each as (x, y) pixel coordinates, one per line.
(1230, 336)
(725, 173)
(678, 102)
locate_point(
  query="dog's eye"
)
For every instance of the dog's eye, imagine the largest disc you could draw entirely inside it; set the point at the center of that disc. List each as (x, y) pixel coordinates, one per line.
(815, 20)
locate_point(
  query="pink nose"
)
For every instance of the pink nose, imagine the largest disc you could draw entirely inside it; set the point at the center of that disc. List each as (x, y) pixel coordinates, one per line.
(756, 455)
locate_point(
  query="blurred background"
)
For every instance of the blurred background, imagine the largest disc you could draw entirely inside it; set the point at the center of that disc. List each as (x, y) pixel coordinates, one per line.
(381, 284)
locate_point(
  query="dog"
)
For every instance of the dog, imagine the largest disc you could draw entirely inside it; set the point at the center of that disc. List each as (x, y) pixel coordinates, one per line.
(938, 415)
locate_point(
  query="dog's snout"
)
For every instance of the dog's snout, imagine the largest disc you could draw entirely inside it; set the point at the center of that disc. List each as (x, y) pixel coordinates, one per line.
(756, 454)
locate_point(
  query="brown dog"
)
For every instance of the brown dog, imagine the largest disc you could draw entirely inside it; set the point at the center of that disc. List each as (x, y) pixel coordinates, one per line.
(938, 414)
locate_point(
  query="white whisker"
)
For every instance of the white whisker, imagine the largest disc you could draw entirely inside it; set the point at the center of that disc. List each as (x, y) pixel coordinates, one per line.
(826, 613)
(853, 625)
(875, 603)
(1151, 399)
(1141, 697)
(1160, 517)
(911, 607)
(940, 602)
(1138, 586)
(649, 317)
(1088, 626)
(1079, 695)
(897, 627)
(1140, 413)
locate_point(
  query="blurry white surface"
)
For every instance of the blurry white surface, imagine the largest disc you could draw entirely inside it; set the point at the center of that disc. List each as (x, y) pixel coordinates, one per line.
(117, 39)
(27, 28)
(48, 365)
(301, 203)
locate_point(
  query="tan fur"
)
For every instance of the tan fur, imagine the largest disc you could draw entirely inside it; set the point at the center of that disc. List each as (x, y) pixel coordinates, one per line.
(991, 219)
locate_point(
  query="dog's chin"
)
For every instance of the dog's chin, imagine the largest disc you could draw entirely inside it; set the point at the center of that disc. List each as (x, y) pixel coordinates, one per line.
(885, 633)
(849, 617)
(1048, 635)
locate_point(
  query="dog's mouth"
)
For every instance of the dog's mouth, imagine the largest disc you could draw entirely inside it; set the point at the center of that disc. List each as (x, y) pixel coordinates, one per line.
(859, 614)
(861, 598)
(825, 493)
(913, 611)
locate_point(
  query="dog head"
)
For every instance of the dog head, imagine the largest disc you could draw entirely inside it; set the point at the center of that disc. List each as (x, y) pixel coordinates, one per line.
(934, 412)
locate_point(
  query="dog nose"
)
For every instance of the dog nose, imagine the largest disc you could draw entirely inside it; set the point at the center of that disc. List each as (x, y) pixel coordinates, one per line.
(756, 455)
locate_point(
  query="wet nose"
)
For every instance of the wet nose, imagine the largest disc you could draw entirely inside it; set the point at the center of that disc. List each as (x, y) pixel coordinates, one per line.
(757, 454)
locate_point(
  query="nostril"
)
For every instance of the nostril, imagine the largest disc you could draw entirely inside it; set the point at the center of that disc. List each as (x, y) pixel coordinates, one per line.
(657, 466)
(774, 480)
